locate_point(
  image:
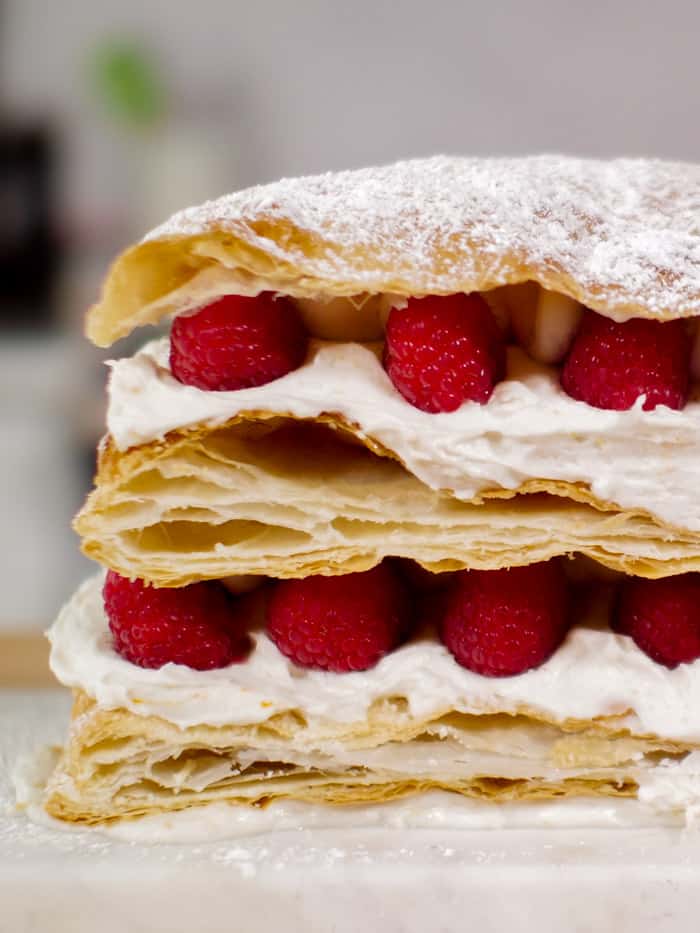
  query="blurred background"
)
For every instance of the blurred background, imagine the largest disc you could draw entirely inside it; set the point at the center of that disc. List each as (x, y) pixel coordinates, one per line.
(113, 115)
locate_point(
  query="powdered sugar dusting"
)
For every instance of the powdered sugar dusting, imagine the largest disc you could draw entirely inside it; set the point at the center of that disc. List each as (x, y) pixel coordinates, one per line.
(626, 231)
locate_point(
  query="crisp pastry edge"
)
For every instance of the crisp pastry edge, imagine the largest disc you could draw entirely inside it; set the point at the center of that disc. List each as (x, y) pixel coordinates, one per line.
(156, 278)
(77, 797)
(116, 469)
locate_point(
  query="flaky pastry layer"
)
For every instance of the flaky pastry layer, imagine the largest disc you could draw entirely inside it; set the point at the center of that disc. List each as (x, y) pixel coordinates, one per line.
(621, 237)
(247, 498)
(117, 764)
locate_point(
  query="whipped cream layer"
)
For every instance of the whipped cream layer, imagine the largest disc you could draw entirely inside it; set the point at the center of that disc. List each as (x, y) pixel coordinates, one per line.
(673, 786)
(530, 429)
(594, 673)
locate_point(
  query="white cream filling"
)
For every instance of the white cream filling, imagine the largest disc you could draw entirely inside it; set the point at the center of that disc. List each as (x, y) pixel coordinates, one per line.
(594, 673)
(530, 428)
(673, 786)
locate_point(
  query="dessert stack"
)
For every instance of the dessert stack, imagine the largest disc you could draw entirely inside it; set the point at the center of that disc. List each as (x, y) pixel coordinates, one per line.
(406, 501)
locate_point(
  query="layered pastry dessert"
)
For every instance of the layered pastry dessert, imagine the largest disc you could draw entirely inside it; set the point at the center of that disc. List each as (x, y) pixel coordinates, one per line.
(405, 501)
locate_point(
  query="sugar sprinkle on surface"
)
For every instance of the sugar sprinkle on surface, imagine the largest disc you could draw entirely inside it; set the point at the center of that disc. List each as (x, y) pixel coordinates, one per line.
(627, 228)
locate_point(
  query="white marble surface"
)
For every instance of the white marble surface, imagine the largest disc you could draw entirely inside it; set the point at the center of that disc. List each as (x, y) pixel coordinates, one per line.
(333, 880)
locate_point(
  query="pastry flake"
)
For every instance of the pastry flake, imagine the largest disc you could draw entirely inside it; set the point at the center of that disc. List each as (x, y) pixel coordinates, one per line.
(620, 237)
(307, 484)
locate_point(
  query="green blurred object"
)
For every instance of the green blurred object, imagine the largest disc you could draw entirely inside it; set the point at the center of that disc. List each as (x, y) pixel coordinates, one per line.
(127, 83)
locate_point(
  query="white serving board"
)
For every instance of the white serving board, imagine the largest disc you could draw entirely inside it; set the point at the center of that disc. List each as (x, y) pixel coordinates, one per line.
(342, 880)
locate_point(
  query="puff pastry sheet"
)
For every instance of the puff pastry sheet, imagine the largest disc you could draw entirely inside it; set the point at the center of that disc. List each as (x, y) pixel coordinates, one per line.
(622, 237)
(117, 764)
(248, 498)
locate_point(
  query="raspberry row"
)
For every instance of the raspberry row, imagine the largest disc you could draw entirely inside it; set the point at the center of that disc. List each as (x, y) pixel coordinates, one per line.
(496, 623)
(441, 351)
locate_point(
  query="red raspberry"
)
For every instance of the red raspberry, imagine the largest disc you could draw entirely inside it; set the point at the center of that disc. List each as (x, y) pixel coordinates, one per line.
(662, 616)
(503, 622)
(442, 351)
(195, 625)
(610, 364)
(344, 623)
(237, 342)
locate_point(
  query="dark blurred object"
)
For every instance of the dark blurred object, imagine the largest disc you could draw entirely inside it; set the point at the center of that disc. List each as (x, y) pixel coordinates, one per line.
(29, 255)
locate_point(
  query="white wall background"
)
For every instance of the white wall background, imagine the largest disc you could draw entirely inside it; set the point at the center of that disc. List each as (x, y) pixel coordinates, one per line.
(296, 87)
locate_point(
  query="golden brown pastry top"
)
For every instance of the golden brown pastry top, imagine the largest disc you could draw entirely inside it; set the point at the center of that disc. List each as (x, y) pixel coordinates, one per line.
(622, 237)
